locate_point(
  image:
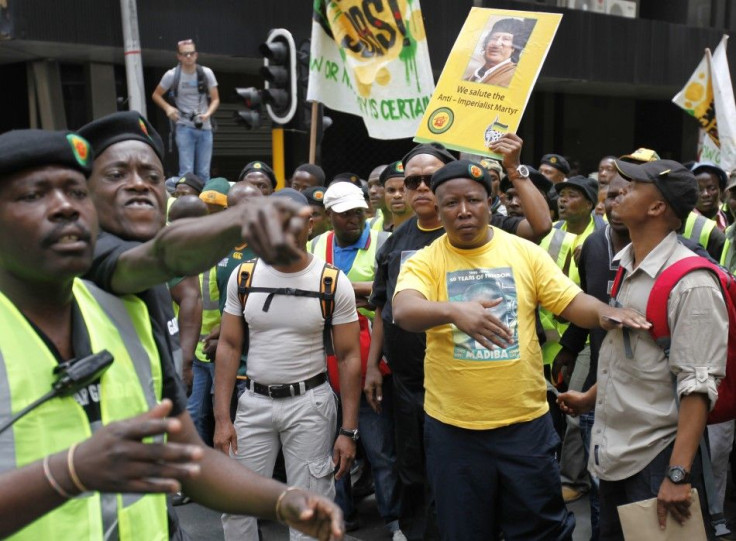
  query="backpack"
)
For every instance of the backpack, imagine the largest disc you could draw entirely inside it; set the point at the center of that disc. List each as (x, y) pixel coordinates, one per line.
(202, 86)
(725, 408)
(326, 296)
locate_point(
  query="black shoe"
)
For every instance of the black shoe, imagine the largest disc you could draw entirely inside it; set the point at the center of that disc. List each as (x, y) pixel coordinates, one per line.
(364, 487)
(352, 523)
(180, 499)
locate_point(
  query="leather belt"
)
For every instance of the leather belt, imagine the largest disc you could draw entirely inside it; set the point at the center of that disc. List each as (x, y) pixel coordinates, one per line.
(287, 390)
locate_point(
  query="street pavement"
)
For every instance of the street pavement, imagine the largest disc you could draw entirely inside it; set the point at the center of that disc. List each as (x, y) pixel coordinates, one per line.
(203, 524)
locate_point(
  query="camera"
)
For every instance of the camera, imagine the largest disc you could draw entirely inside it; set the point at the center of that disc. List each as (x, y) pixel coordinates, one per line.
(194, 117)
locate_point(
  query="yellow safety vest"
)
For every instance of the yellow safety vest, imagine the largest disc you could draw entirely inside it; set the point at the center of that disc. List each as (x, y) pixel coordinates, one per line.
(698, 229)
(132, 385)
(560, 246)
(376, 223)
(210, 309)
(364, 266)
(728, 256)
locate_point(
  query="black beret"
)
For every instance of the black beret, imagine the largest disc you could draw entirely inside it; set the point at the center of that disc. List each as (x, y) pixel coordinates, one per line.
(258, 167)
(433, 149)
(352, 178)
(25, 149)
(315, 170)
(315, 195)
(556, 161)
(392, 170)
(190, 179)
(676, 183)
(124, 126)
(462, 169)
(587, 186)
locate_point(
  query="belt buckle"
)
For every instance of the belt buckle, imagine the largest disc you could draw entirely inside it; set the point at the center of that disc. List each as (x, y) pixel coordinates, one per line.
(277, 388)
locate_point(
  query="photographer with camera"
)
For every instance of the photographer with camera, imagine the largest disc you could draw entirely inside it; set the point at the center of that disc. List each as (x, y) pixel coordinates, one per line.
(188, 95)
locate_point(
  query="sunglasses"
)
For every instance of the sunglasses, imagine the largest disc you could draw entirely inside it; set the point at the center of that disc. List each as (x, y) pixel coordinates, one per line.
(412, 182)
(188, 54)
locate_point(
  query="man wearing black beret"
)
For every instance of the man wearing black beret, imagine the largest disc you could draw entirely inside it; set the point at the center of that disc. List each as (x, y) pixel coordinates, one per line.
(189, 184)
(554, 167)
(259, 175)
(81, 460)
(405, 350)
(490, 444)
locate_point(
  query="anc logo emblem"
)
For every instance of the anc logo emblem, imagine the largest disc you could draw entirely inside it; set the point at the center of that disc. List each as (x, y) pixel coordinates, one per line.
(553, 159)
(257, 165)
(475, 171)
(399, 167)
(80, 149)
(318, 195)
(440, 120)
(143, 127)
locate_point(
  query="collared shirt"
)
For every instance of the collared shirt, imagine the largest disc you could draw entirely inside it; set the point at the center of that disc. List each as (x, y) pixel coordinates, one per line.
(480, 73)
(636, 411)
(345, 255)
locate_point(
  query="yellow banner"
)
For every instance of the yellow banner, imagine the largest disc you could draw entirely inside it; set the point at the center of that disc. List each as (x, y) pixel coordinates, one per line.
(488, 78)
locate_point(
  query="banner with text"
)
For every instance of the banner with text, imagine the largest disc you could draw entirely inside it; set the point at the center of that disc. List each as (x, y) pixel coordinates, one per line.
(708, 96)
(488, 78)
(370, 58)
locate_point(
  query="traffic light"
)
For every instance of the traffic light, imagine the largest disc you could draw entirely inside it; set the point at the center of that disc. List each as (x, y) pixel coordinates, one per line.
(279, 71)
(250, 117)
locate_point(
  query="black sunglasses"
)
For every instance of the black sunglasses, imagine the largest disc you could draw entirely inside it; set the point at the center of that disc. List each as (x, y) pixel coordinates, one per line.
(412, 182)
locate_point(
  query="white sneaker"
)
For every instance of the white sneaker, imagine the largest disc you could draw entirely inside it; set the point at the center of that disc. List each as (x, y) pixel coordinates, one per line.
(398, 536)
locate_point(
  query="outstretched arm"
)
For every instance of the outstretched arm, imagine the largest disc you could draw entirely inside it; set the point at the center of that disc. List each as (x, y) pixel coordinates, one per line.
(192, 245)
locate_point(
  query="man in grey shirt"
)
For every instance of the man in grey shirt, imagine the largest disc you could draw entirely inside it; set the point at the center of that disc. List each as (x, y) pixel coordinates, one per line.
(193, 90)
(650, 408)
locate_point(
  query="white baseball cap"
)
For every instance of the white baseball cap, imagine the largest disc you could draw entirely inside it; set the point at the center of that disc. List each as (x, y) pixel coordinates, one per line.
(344, 196)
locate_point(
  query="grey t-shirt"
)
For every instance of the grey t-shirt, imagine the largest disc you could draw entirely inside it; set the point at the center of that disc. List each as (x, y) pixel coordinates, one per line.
(188, 99)
(286, 343)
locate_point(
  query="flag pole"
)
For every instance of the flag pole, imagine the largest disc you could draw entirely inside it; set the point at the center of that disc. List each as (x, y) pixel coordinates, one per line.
(313, 133)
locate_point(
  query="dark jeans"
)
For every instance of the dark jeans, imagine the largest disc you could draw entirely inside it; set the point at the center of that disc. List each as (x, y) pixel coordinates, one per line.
(505, 479)
(418, 519)
(643, 486)
(586, 429)
(376, 435)
(199, 404)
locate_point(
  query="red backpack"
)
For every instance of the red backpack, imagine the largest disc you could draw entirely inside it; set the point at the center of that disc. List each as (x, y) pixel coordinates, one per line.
(725, 408)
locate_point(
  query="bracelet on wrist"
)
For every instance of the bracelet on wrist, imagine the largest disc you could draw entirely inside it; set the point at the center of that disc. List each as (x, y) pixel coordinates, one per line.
(72, 470)
(280, 500)
(52, 480)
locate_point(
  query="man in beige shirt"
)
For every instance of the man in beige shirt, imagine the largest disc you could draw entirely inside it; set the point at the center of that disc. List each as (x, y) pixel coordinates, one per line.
(650, 409)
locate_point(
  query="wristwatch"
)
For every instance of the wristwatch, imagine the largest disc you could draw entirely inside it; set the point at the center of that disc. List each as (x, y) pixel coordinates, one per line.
(522, 171)
(678, 475)
(352, 434)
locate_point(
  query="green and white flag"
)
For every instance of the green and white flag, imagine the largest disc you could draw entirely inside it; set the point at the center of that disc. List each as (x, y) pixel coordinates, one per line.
(371, 59)
(708, 96)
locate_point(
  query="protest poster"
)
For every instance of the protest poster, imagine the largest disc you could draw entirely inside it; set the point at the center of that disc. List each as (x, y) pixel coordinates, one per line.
(488, 78)
(371, 59)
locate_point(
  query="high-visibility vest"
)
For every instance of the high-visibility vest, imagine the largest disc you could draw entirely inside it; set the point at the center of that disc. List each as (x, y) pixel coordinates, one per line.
(560, 246)
(698, 229)
(728, 256)
(364, 266)
(376, 223)
(210, 309)
(132, 385)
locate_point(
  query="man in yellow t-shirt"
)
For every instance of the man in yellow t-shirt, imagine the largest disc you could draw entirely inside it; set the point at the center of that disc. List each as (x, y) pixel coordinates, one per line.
(489, 440)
